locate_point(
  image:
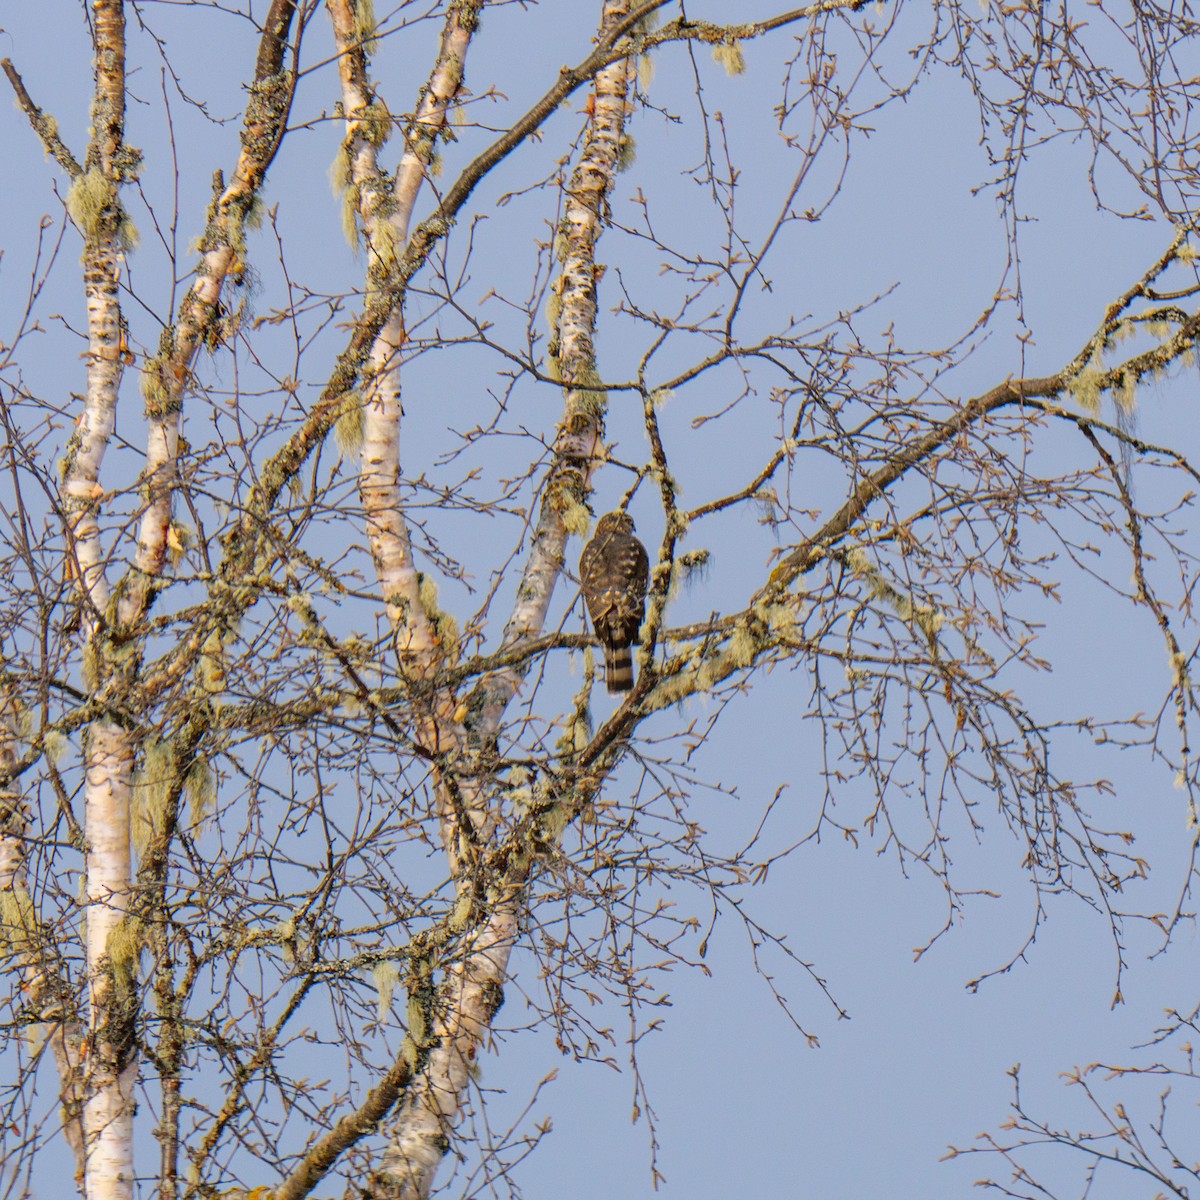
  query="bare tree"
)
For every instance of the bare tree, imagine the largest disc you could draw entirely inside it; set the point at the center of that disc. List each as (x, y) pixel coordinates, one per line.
(292, 757)
(1132, 1128)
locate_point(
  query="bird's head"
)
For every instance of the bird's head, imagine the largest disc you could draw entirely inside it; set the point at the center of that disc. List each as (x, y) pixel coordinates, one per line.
(614, 522)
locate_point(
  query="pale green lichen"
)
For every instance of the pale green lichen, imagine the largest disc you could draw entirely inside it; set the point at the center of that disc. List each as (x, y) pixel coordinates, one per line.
(55, 744)
(344, 187)
(93, 205)
(1125, 393)
(385, 977)
(150, 794)
(350, 198)
(375, 123)
(443, 624)
(365, 25)
(128, 237)
(210, 667)
(18, 920)
(781, 618)
(460, 917)
(179, 538)
(256, 213)
(89, 666)
(1086, 389)
(285, 933)
(575, 516)
(589, 395)
(348, 431)
(90, 197)
(417, 1019)
(410, 1053)
(200, 786)
(929, 619)
(553, 311)
(383, 240)
(729, 55)
(689, 566)
(743, 646)
(553, 821)
(1179, 672)
(339, 170)
(125, 944)
(627, 154)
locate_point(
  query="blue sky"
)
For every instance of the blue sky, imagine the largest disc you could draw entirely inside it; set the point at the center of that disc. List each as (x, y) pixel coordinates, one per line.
(742, 1102)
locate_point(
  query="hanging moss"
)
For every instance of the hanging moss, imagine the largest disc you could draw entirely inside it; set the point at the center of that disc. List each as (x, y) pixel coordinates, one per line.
(385, 976)
(460, 918)
(575, 516)
(125, 944)
(179, 538)
(339, 169)
(128, 237)
(729, 55)
(383, 239)
(445, 627)
(55, 744)
(90, 199)
(418, 1023)
(151, 788)
(627, 154)
(365, 25)
(350, 200)
(200, 786)
(18, 921)
(349, 429)
(1086, 389)
(126, 164)
(210, 667)
(161, 396)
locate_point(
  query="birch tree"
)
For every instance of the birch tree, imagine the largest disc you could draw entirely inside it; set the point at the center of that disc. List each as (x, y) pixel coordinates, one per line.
(306, 787)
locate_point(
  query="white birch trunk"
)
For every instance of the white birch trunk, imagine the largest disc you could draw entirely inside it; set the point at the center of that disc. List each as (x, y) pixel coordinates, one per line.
(473, 990)
(579, 447)
(472, 986)
(385, 210)
(111, 1061)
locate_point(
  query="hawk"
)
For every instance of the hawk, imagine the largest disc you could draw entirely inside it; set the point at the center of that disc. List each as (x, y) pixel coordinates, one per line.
(614, 572)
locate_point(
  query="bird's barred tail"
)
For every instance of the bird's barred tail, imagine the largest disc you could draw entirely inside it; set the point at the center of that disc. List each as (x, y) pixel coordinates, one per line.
(618, 668)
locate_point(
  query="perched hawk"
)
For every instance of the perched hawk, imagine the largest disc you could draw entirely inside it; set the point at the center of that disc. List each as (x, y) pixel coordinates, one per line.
(614, 572)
